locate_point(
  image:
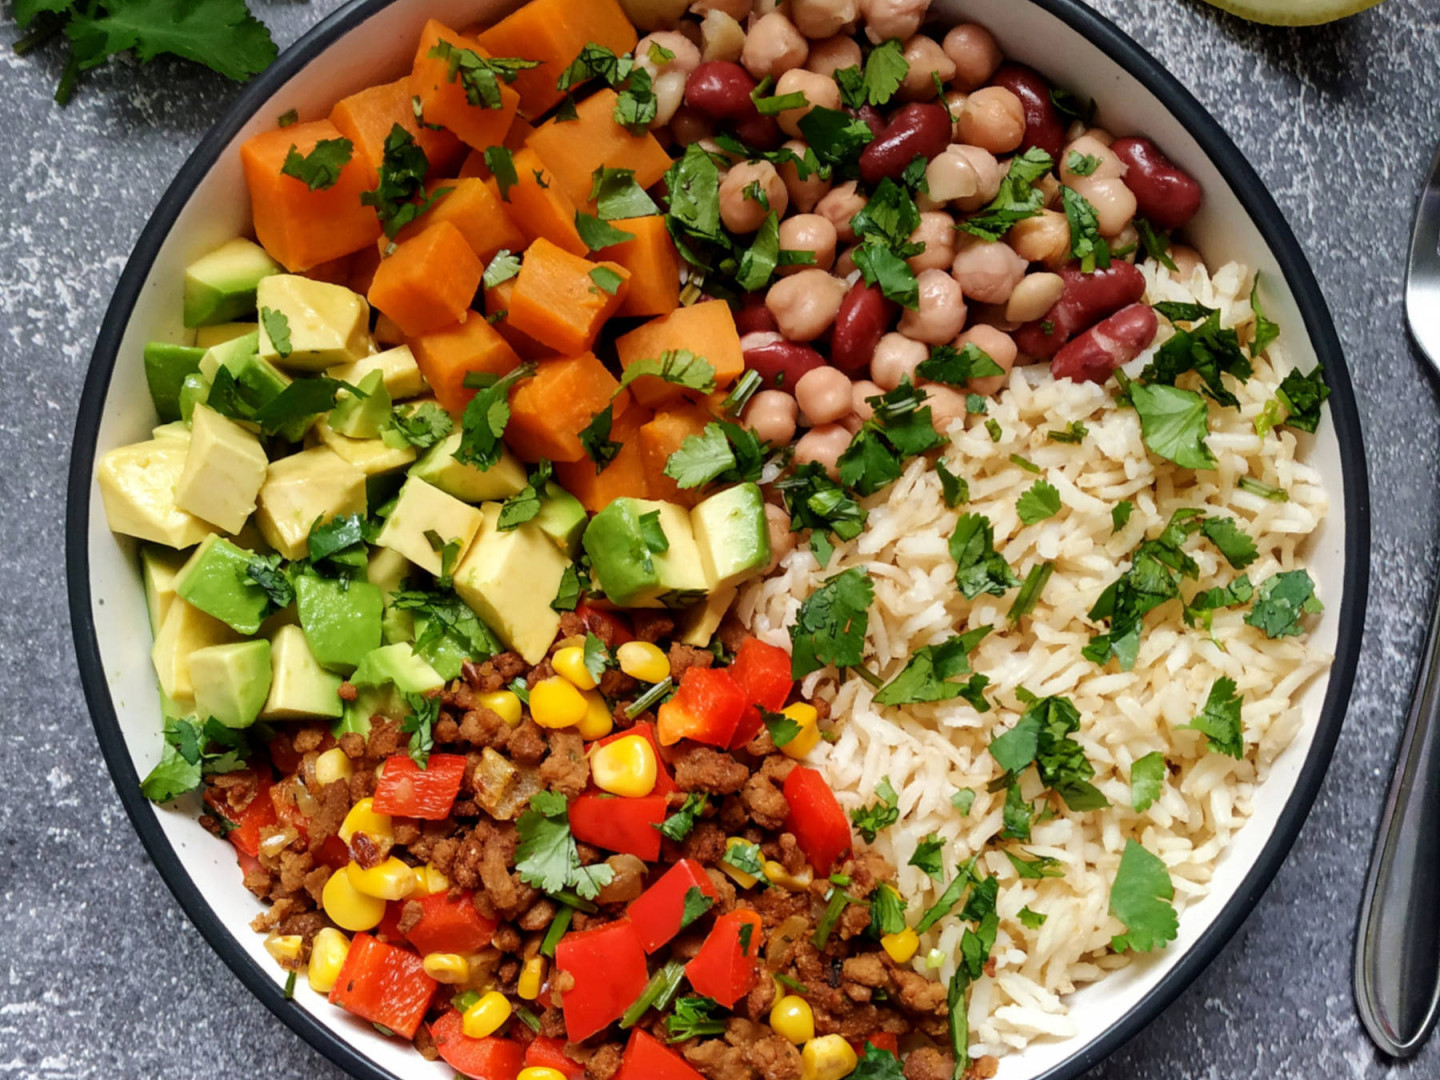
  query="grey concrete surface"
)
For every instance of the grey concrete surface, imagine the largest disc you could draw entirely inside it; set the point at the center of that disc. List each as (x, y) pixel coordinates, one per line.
(100, 973)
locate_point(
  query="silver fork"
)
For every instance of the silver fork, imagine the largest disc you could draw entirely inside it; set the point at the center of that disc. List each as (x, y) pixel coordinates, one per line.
(1397, 949)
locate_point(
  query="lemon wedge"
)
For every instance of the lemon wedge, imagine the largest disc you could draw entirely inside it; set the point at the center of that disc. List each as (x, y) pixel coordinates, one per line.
(1293, 12)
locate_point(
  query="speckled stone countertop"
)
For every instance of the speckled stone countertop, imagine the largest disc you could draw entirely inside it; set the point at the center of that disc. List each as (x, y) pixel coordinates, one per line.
(101, 975)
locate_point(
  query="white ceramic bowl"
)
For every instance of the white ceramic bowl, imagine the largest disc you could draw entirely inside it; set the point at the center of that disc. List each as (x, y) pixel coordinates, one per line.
(371, 41)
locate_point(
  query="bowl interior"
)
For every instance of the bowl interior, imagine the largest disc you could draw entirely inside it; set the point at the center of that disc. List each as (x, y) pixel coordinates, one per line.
(372, 42)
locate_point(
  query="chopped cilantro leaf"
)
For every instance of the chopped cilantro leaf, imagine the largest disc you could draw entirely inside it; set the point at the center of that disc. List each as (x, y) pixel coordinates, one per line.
(617, 195)
(547, 856)
(1155, 243)
(420, 726)
(1282, 601)
(1265, 331)
(1237, 547)
(1147, 779)
(956, 367)
(1086, 243)
(486, 418)
(722, 451)
(1030, 591)
(979, 568)
(869, 820)
(501, 164)
(1140, 898)
(653, 533)
(679, 367)
(1302, 396)
(1017, 199)
(696, 905)
(928, 675)
(746, 858)
(963, 800)
(1039, 502)
(953, 489)
(1220, 720)
(1174, 423)
(420, 426)
(504, 266)
(831, 624)
(927, 856)
(887, 913)
(319, 169)
(1031, 920)
(681, 824)
(608, 279)
(783, 730)
(277, 329)
(401, 179)
(1120, 514)
(1036, 868)
(595, 438)
(817, 503)
(598, 235)
(568, 595)
(836, 137)
(479, 76)
(885, 69)
(1074, 433)
(693, 1017)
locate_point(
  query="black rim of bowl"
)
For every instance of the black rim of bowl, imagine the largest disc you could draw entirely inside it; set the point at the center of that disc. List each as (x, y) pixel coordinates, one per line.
(1252, 194)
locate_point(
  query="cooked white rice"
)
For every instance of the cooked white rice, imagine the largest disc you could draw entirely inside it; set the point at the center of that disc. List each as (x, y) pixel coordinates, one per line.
(930, 751)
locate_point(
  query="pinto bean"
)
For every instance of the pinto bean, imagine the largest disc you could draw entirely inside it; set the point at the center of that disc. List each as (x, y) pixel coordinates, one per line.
(1166, 193)
(1093, 355)
(864, 314)
(917, 129)
(995, 344)
(975, 54)
(1087, 299)
(720, 89)
(941, 312)
(1043, 126)
(779, 362)
(987, 272)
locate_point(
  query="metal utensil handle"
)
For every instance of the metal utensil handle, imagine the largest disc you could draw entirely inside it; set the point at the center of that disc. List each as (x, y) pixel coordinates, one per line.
(1397, 963)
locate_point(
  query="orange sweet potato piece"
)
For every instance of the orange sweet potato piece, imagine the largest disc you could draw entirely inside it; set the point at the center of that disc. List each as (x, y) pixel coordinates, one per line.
(446, 356)
(474, 163)
(660, 438)
(386, 332)
(497, 311)
(443, 100)
(367, 118)
(654, 266)
(548, 412)
(473, 206)
(539, 205)
(331, 271)
(554, 32)
(299, 227)
(574, 149)
(363, 265)
(707, 329)
(428, 281)
(624, 476)
(558, 300)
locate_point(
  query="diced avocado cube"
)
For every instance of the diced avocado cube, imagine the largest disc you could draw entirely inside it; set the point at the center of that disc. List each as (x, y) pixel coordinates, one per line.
(362, 417)
(231, 681)
(562, 518)
(195, 390)
(397, 664)
(508, 579)
(229, 354)
(224, 470)
(220, 286)
(184, 630)
(680, 570)
(341, 619)
(466, 482)
(424, 514)
(372, 701)
(137, 486)
(444, 652)
(373, 457)
(158, 567)
(175, 431)
(208, 336)
(699, 623)
(632, 573)
(260, 381)
(315, 484)
(327, 324)
(299, 687)
(397, 367)
(166, 366)
(389, 571)
(214, 579)
(733, 534)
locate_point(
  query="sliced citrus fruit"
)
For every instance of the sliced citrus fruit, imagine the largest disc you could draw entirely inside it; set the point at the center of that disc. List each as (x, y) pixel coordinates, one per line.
(1294, 12)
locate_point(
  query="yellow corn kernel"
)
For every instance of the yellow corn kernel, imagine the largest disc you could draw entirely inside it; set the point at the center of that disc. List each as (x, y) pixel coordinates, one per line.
(532, 978)
(792, 1019)
(363, 818)
(538, 1072)
(829, 1057)
(903, 946)
(429, 881)
(599, 720)
(643, 660)
(445, 967)
(486, 1016)
(504, 704)
(809, 736)
(391, 880)
(331, 766)
(569, 663)
(740, 877)
(327, 956)
(778, 875)
(625, 767)
(555, 703)
(285, 948)
(348, 907)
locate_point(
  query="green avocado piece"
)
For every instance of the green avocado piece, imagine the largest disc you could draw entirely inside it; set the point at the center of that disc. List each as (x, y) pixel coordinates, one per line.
(214, 580)
(299, 687)
(445, 654)
(166, 366)
(229, 354)
(341, 619)
(231, 681)
(620, 559)
(384, 700)
(194, 390)
(220, 286)
(733, 535)
(562, 518)
(363, 417)
(467, 483)
(397, 664)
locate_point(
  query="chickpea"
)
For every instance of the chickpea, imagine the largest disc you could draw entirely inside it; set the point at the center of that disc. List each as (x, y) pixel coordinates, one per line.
(951, 175)
(993, 119)
(941, 313)
(740, 209)
(1108, 166)
(812, 233)
(946, 407)
(861, 392)
(685, 58)
(652, 14)
(1114, 203)
(823, 18)
(954, 101)
(974, 53)
(824, 396)
(736, 9)
(845, 262)
(1049, 186)
(804, 194)
(832, 54)
(669, 90)
(690, 125)
(840, 205)
(823, 445)
(987, 272)
(895, 360)
(999, 346)
(1034, 297)
(1100, 135)
(988, 172)
(821, 91)
(937, 232)
(1187, 260)
(773, 47)
(886, 19)
(926, 59)
(1042, 239)
(771, 415)
(804, 305)
(721, 37)
(782, 538)
(711, 147)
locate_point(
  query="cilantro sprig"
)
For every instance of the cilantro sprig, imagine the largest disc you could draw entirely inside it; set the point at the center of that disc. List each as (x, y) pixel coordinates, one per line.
(547, 856)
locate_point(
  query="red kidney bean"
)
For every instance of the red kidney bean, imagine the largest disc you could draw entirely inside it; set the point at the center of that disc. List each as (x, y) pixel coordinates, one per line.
(1044, 126)
(1166, 193)
(754, 317)
(779, 362)
(1093, 355)
(862, 320)
(721, 90)
(873, 118)
(1087, 299)
(761, 132)
(915, 129)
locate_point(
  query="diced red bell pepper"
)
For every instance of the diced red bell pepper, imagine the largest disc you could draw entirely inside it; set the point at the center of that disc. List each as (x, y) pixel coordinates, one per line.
(881, 1040)
(608, 972)
(595, 618)
(763, 672)
(256, 814)
(707, 708)
(629, 826)
(482, 1059)
(334, 853)
(546, 1053)
(248, 863)
(406, 790)
(659, 910)
(816, 819)
(450, 925)
(724, 968)
(646, 1058)
(385, 985)
(664, 781)
(389, 928)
